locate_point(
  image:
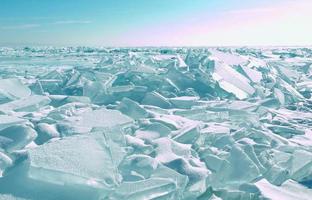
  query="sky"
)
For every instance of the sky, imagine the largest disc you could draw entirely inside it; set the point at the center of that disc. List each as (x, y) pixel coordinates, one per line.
(156, 22)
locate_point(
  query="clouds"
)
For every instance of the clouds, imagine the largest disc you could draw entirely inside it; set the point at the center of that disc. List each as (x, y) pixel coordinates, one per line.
(251, 11)
(37, 25)
(20, 27)
(72, 22)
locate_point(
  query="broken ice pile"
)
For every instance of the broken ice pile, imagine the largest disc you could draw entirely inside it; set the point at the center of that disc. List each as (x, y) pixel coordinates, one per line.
(155, 123)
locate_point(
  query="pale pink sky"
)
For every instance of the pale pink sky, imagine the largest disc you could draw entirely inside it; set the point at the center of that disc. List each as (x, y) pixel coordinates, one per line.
(281, 24)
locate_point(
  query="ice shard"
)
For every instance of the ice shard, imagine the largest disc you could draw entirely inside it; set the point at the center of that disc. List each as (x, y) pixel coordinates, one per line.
(232, 81)
(288, 191)
(17, 137)
(12, 89)
(70, 161)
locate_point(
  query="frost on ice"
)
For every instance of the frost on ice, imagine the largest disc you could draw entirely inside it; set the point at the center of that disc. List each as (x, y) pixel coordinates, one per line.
(155, 123)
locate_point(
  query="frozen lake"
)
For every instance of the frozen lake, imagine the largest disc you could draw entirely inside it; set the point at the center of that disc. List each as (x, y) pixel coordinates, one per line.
(155, 123)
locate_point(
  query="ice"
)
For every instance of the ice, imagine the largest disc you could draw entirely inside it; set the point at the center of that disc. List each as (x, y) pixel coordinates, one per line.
(301, 165)
(152, 188)
(179, 157)
(46, 132)
(214, 197)
(236, 169)
(285, 131)
(228, 58)
(82, 123)
(187, 135)
(5, 162)
(67, 162)
(59, 100)
(10, 197)
(252, 74)
(7, 121)
(156, 99)
(17, 137)
(289, 190)
(12, 89)
(279, 95)
(29, 104)
(138, 144)
(132, 109)
(152, 131)
(103, 118)
(233, 82)
(139, 168)
(185, 102)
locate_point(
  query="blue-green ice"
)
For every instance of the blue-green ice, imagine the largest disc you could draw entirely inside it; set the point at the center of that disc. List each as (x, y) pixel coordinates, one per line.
(80, 123)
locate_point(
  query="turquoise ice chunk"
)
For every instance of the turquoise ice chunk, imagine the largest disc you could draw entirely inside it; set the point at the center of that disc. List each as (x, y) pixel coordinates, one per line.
(289, 190)
(238, 168)
(28, 104)
(46, 132)
(132, 109)
(104, 118)
(156, 99)
(152, 188)
(5, 162)
(232, 81)
(85, 160)
(12, 89)
(185, 102)
(11, 197)
(17, 137)
(7, 121)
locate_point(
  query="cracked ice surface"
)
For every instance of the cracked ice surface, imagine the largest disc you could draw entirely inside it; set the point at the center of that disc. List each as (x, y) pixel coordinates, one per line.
(155, 123)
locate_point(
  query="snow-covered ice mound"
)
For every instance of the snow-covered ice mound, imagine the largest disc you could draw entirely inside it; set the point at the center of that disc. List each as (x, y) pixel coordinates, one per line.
(155, 123)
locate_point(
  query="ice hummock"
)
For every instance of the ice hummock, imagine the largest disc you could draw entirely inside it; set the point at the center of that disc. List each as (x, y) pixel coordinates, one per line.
(155, 123)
